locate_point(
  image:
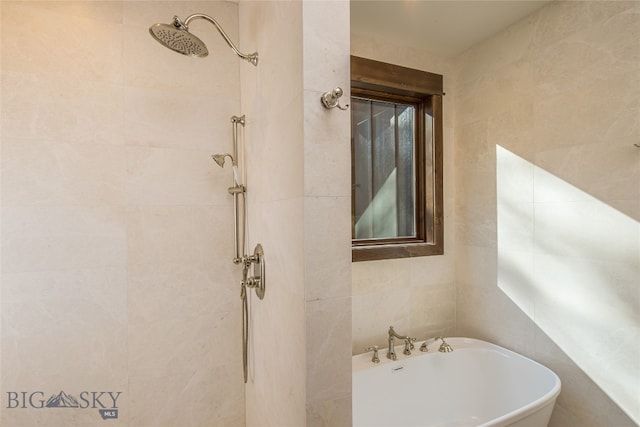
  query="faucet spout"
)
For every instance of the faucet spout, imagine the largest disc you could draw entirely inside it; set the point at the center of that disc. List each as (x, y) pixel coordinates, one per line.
(391, 352)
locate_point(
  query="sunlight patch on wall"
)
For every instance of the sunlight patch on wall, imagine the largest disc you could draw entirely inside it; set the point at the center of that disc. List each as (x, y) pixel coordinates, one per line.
(572, 264)
(380, 219)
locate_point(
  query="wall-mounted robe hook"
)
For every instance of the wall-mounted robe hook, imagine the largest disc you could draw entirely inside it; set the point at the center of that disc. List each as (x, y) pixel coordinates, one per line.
(332, 99)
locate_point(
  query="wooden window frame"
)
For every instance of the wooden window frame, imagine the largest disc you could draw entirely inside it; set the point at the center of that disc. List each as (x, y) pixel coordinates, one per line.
(388, 82)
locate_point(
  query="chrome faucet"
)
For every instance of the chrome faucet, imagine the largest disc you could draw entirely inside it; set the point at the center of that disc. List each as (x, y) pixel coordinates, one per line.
(391, 353)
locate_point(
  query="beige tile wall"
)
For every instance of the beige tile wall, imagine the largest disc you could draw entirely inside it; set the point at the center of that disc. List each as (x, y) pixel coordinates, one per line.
(327, 246)
(547, 200)
(298, 154)
(272, 99)
(116, 224)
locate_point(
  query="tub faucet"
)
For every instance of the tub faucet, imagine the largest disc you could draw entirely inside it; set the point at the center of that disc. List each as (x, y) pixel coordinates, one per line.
(391, 353)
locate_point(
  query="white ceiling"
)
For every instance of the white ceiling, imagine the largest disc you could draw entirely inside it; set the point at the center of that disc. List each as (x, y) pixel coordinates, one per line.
(444, 27)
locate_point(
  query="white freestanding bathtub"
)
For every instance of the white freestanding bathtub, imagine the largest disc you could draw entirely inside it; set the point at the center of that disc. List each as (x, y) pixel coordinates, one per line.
(477, 384)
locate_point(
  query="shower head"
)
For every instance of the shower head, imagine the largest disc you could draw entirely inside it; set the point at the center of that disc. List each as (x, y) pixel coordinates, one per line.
(176, 36)
(219, 159)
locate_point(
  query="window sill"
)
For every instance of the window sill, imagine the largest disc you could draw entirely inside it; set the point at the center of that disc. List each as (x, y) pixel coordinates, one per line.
(392, 251)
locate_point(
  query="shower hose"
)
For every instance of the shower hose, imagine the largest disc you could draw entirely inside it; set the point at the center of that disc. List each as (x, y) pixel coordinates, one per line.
(245, 326)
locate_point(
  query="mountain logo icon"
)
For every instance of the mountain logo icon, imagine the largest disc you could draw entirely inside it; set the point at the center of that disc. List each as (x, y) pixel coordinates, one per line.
(62, 400)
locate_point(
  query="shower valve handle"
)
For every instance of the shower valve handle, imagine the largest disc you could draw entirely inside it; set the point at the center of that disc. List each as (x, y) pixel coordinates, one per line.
(252, 282)
(257, 281)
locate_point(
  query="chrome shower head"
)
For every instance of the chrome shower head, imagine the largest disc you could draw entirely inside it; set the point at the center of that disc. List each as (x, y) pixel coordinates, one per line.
(176, 36)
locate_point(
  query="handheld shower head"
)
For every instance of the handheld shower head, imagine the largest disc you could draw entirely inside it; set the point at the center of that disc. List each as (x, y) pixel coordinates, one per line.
(219, 159)
(176, 36)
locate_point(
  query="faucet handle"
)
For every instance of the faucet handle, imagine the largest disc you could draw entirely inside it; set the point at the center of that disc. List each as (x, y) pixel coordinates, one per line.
(411, 341)
(408, 345)
(375, 358)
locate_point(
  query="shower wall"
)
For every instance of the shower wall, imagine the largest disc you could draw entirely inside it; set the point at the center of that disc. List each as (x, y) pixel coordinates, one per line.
(298, 157)
(548, 200)
(272, 101)
(415, 295)
(116, 224)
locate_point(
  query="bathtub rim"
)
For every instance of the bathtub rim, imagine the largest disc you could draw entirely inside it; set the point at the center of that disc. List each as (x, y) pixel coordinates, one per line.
(362, 361)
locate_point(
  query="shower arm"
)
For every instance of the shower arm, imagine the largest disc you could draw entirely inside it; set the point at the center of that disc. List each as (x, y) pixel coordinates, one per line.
(252, 57)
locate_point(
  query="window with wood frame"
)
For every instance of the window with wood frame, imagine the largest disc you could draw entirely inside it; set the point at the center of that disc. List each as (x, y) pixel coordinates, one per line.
(396, 161)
